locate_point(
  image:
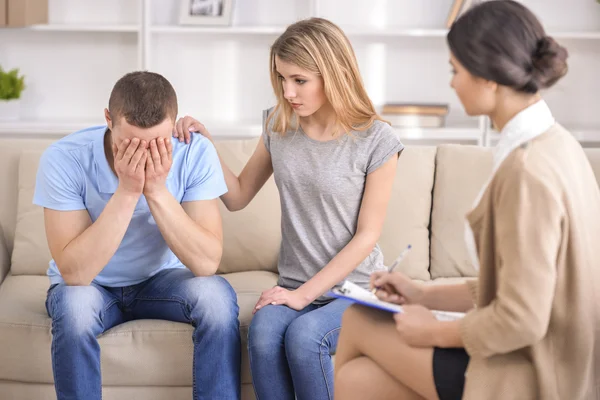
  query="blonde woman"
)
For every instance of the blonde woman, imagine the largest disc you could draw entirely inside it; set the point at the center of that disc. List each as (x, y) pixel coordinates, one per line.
(533, 321)
(334, 162)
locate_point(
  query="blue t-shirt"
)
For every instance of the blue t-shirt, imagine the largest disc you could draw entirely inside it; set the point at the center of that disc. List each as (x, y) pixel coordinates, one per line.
(74, 174)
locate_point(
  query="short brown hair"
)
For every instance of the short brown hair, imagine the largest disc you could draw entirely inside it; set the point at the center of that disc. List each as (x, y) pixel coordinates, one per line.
(144, 99)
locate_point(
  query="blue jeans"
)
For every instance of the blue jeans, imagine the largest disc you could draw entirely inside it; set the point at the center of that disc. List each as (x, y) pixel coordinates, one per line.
(80, 313)
(290, 351)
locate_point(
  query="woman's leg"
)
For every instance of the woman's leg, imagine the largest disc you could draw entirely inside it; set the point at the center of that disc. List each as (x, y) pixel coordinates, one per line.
(268, 363)
(372, 333)
(310, 342)
(361, 378)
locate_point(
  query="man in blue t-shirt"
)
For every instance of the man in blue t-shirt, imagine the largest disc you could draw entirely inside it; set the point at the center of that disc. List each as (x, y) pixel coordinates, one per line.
(134, 229)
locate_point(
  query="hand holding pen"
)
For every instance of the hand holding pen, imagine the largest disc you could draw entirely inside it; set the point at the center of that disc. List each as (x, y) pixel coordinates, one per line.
(395, 287)
(397, 261)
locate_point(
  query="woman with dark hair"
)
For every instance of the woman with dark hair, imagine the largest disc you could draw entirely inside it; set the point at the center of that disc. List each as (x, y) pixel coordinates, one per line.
(532, 318)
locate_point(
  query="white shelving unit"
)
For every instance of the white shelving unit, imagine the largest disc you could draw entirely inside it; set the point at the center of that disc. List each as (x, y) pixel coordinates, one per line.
(221, 73)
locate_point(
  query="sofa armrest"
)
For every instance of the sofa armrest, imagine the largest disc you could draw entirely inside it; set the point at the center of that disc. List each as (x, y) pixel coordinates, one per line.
(4, 257)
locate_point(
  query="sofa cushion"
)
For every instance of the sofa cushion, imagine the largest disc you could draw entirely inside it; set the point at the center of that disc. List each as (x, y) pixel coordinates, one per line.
(136, 353)
(408, 213)
(29, 391)
(30, 251)
(461, 171)
(252, 236)
(10, 152)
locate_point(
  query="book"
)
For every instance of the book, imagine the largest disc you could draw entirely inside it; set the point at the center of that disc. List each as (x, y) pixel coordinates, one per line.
(415, 108)
(458, 8)
(357, 294)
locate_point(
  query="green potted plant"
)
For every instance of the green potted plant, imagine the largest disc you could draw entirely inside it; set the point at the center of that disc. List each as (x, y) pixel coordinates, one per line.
(11, 87)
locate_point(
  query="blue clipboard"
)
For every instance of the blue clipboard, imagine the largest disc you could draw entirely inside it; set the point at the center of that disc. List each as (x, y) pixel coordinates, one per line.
(382, 305)
(391, 307)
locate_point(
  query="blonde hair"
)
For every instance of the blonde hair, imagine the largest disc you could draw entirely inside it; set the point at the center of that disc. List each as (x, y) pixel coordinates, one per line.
(321, 47)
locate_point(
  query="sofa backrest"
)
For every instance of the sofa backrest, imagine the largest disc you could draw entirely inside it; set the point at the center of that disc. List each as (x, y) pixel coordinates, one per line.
(10, 153)
(252, 236)
(460, 173)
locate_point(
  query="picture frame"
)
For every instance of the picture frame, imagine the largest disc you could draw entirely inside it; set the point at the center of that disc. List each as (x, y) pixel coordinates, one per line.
(206, 12)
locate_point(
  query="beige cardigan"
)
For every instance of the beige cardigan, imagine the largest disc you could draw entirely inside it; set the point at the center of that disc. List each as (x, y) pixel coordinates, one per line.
(535, 331)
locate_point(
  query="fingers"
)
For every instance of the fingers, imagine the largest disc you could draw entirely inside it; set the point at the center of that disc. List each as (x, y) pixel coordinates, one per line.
(263, 301)
(267, 297)
(183, 127)
(390, 297)
(154, 152)
(137, 156)
(169, 150)
(178, 131)
(142, 162)
(162, 149)
(121, 149)
(131, 149)
(188, 135)
(191, 125)
(149, 163)
(375, 276)
(381, 278)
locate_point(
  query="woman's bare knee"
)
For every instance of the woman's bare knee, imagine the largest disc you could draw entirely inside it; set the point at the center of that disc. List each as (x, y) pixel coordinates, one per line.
(362, 378)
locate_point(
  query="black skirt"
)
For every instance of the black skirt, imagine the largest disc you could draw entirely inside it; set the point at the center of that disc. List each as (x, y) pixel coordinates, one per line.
(449, 367)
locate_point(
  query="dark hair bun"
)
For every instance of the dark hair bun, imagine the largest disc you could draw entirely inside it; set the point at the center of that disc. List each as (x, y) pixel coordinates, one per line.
(549, 63)
(504, 42)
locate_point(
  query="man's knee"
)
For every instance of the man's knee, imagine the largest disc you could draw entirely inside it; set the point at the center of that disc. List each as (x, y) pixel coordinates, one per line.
(77, 309)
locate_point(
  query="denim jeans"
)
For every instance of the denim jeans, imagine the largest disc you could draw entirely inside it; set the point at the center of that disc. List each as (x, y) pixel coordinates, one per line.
(81, 313)
(290, 351)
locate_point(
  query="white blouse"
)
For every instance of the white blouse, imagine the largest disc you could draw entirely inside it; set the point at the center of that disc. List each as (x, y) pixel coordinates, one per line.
(523, 127)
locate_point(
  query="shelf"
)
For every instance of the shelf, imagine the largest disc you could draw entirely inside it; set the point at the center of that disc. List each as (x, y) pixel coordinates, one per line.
(225, 30)
(271, 30)
(83, 28)
(350, 31)
(276, 30)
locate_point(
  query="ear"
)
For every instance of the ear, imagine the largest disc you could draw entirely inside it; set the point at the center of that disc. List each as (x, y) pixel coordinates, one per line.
(491, 85)
(107, 118)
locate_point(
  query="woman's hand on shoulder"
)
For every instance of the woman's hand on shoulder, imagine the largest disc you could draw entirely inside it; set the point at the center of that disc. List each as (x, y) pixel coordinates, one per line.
(186, 126)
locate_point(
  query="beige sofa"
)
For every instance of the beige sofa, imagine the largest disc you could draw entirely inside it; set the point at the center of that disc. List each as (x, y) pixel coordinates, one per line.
(151, 360)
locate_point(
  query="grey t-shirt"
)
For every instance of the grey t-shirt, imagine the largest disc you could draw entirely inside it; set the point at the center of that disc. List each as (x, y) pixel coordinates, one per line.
(321, 186)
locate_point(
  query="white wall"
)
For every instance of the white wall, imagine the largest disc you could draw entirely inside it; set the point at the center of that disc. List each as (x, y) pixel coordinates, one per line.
(221, 74)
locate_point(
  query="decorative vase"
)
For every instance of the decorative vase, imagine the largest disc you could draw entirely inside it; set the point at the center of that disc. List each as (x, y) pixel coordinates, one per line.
(10, 109)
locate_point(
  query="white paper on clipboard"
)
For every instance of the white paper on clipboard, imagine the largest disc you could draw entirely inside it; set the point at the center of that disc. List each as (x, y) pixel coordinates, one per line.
(357, 294)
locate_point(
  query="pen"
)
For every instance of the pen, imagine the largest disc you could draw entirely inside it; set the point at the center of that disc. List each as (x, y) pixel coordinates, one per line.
(397, 261)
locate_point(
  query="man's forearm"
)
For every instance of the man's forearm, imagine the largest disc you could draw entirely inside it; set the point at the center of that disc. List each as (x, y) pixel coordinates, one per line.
(448, 297)
(85, 256)
(197, 248)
